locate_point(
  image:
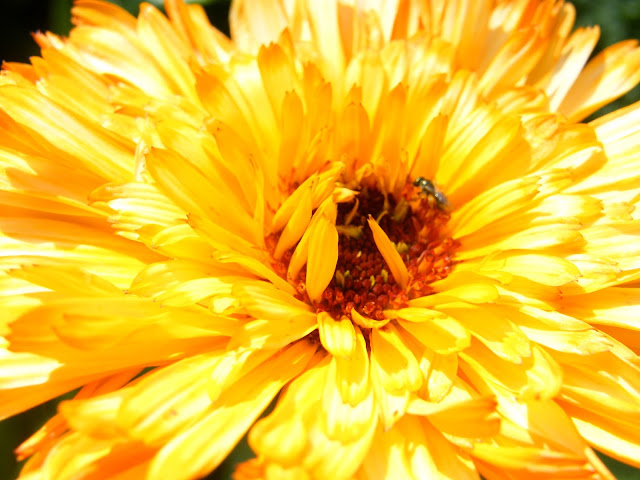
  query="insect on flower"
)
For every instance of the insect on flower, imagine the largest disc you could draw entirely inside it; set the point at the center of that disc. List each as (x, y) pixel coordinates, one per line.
(428, 188)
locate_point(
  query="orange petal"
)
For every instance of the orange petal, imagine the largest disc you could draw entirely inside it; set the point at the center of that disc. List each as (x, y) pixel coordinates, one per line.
(389, 253)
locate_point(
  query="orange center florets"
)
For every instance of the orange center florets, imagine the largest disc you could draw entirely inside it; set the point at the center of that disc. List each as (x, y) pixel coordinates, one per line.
(414, 223)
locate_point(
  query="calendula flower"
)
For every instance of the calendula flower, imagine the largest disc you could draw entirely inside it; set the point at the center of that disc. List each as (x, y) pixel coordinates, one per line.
(384, 215)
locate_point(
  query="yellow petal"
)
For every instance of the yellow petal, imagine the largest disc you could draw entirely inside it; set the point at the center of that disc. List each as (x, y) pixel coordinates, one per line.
(202, 446)
(493, 328)
(545, 269)
(563, 333)
(263, 333)
(79, 138)
(352, 374)
(479, 293)
(191, 22)
(493, 204)
(257, 268)
(576, 52)
(442, 335)
(278, 74)
(538, 377)
(167, 401)
(296, 226)
(612, 306)
(396, 365)
(389, 253)
(475, 418)
(337, 336)
(323, 251)
(170, 51)
(328, 448)
(177, 176)
(440, 372)
(254, 24)
(47, 241)
(263, 300)
(395, 373)
(343, 420)
(540, 462)
(610, 74)
(616, 439)
(414, 314)
(323, 19)
(401, 452)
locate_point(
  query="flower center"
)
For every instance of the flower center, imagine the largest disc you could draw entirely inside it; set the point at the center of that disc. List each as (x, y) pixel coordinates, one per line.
(362, 281)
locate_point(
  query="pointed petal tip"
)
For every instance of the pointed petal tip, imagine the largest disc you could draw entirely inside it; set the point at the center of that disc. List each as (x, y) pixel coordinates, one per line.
(389, 253)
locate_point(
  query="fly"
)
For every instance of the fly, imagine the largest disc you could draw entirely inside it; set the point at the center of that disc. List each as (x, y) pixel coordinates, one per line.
(430, 190)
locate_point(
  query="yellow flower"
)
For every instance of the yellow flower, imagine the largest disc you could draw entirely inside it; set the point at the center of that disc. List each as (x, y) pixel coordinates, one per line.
(383, 214)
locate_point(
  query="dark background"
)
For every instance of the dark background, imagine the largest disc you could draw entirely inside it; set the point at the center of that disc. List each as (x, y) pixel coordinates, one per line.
(618, 19)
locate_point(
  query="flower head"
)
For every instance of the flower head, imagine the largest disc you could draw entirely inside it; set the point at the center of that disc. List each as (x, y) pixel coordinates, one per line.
(385, 215)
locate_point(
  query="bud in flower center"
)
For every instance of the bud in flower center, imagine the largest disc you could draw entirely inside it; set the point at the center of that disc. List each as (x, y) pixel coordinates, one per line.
(363, 280)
